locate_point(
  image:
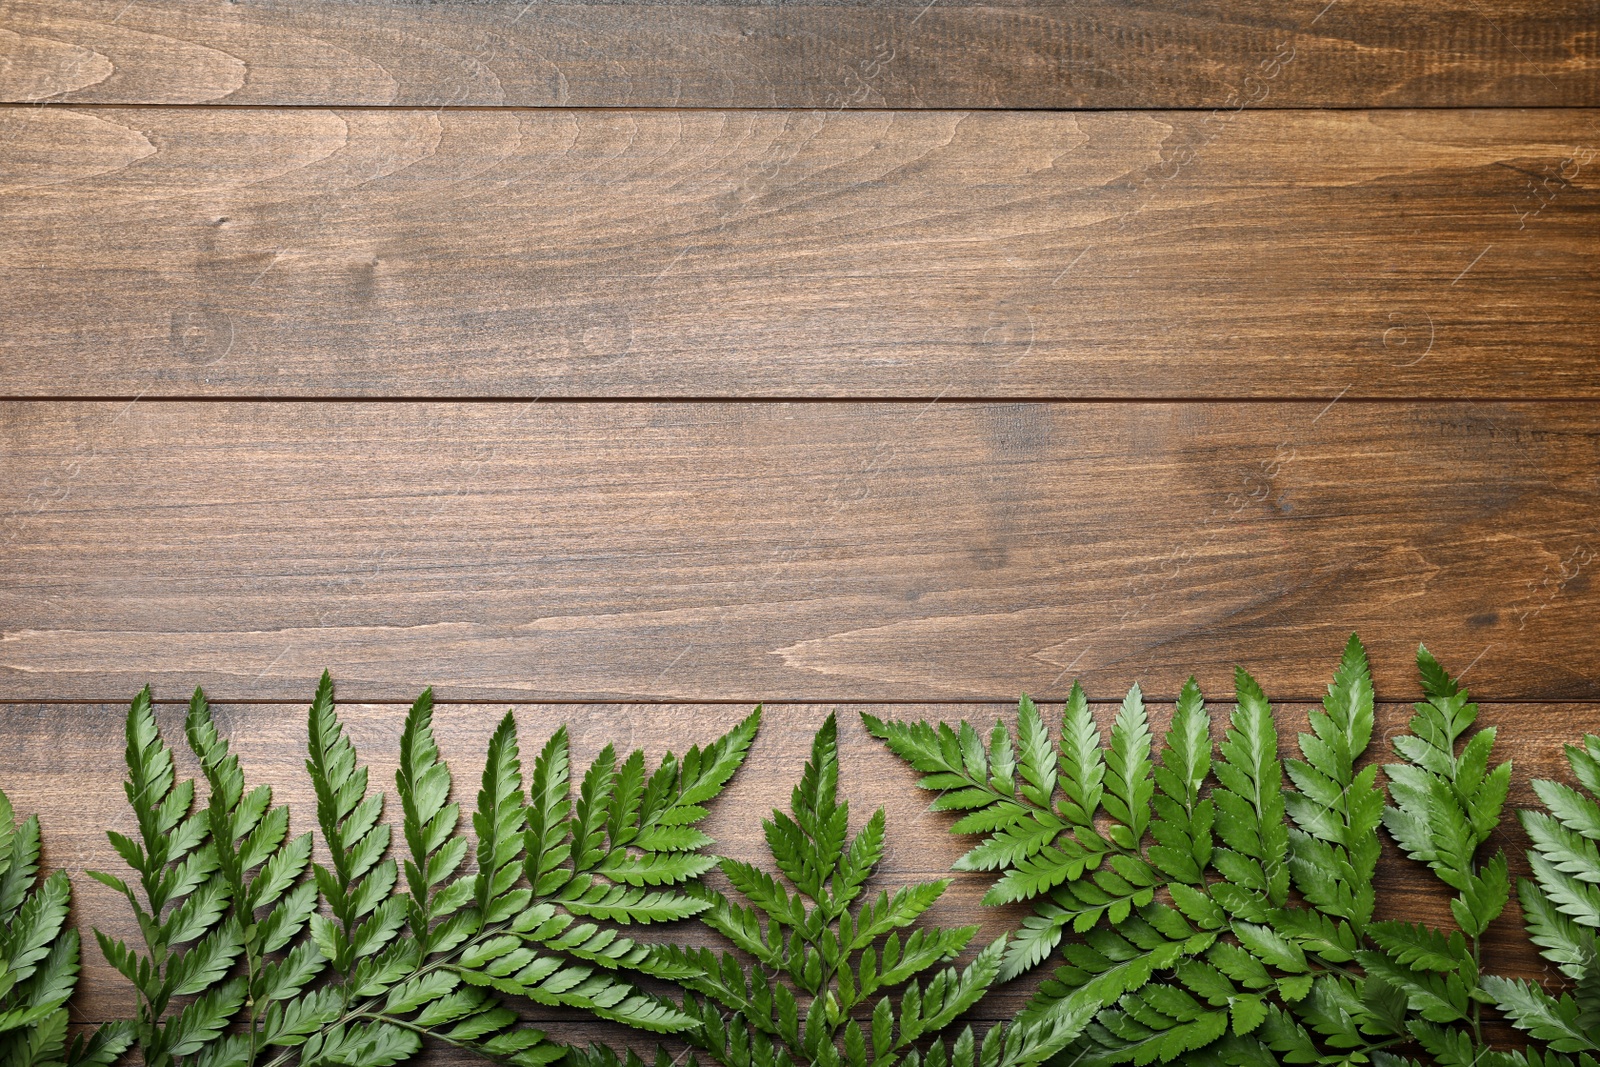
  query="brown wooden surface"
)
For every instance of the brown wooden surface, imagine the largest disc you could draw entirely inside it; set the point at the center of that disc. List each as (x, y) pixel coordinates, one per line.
(894, 53)
(791, 551)
(65, 763)
(1351, 247)
(183, 252)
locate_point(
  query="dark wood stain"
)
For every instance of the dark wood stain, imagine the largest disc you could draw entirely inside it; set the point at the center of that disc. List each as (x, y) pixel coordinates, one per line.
(822, 56)
(766, 552)
(894, 351)
(572, 254)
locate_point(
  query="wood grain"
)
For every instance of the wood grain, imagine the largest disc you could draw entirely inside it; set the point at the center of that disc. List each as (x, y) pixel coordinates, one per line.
(717, 254)
(380, 202)
(791, 551)
(64, 762)
(899, 53)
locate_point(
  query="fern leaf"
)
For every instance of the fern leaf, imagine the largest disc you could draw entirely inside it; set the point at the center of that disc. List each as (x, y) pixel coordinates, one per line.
(549, 842)
(1083, 766)
(704, 773)
(1036, 757)
(499, 821)
(816, 934)
(1129, 786)
(358, 885)
(39, 959)
(429, 823)
(1546, 1018)
(1249, 799)
(1183, 821)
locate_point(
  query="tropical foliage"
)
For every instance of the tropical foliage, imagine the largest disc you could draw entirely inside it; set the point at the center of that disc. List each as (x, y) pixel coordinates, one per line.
(816, 949)
(1202, 889)
(39, 960)
(251, 953)
(1214, 903)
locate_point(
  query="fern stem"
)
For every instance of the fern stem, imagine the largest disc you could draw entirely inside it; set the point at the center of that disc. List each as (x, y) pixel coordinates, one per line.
(422, 1031)
(1477, 1009)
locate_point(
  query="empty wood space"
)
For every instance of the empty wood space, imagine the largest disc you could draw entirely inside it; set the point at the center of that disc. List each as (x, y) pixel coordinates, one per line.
(557, 253)
(893, 53)
(737, 551)
(635, 363)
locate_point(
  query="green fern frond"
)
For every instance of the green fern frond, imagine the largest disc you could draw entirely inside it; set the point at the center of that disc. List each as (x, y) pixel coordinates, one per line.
(1554, 1021)
(430, 820)
(358, 886)
(814, 937)
(1561, 908)
(39, 960)
(1183, 820)
(1223, 917)
(601, 1056)
(1446, 800)
(247, 961)
(1129, 784)
(501, 820)
(626, 851)
(1254, 859)
(1002, 1046)
(180, 898)
(1564, 896)
(1209, 905)
(1040, 822)
(1336, 809)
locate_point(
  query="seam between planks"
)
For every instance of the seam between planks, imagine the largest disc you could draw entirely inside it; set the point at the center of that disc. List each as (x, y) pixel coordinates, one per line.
(941, 399)
(715, 108)
(977, 702)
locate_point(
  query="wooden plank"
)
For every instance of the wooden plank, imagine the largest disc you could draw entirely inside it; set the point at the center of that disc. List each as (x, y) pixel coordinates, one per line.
(790, 551)
(178, 252)
(898, 53)
(64, 762)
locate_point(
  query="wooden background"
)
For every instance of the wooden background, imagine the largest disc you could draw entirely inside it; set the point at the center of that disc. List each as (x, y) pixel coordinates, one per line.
(632, 363)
